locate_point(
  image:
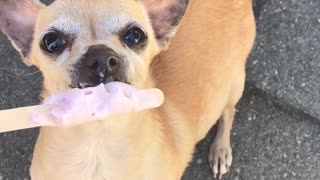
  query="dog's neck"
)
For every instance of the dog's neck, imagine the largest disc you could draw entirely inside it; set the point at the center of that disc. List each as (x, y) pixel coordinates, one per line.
(124, 142)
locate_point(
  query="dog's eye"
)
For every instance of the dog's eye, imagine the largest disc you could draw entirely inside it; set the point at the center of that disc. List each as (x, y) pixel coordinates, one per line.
(134, 36)
(53, 42)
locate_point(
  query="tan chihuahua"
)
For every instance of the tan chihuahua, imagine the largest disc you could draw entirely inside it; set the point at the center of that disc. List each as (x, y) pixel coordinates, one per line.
(200, 67)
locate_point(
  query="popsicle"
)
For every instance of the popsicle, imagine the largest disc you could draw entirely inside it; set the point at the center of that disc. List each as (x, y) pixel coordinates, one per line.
(76, 106)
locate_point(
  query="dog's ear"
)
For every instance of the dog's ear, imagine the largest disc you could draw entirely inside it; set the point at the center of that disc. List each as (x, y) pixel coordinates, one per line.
(165, 16)
(17, 21)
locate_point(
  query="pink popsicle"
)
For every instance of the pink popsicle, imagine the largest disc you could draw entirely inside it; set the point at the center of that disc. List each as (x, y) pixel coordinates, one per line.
(77, 106)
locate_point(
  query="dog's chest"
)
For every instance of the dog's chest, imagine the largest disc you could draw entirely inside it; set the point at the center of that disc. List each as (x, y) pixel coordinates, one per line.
(93, 157)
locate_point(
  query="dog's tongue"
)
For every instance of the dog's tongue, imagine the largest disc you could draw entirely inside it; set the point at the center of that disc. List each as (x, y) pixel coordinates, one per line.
(76, 106)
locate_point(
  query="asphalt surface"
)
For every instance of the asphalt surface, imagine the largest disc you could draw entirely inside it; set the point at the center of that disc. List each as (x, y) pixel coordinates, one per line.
(276, 133)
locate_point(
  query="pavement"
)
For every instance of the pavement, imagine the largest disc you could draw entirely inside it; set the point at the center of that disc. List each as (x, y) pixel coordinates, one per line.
(276, 134)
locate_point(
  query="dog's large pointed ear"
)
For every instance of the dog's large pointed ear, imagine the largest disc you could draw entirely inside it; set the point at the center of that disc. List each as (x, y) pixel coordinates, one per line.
(165, 16)
(17, 21)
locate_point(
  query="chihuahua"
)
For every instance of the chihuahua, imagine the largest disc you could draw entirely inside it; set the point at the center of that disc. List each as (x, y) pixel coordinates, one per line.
(194, 51)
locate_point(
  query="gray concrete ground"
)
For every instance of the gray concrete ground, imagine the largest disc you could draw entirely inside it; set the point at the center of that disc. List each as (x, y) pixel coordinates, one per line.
(276, 133)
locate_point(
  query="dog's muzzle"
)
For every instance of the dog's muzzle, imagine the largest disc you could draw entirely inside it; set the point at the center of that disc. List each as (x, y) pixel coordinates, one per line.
(100, 64)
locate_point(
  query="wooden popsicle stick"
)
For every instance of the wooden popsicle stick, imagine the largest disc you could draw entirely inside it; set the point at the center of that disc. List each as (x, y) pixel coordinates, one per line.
(16, 119)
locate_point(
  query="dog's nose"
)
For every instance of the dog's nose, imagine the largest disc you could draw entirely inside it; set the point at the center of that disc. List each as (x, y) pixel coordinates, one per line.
(101, 64)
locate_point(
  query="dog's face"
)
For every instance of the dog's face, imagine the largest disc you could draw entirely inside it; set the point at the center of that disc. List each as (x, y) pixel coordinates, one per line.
(84, 43)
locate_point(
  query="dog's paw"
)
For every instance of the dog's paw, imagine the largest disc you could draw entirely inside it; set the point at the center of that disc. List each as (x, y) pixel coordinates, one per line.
(220, 158)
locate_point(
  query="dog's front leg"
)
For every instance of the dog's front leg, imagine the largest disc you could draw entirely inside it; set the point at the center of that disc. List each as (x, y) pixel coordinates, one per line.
(220, 155)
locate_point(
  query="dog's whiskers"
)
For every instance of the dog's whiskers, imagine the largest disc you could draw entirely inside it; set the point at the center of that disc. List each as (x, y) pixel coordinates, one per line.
(30, 74)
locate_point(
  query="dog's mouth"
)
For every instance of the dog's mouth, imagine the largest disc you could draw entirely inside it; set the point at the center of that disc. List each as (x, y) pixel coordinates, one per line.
(82, 85)
(84, 77)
